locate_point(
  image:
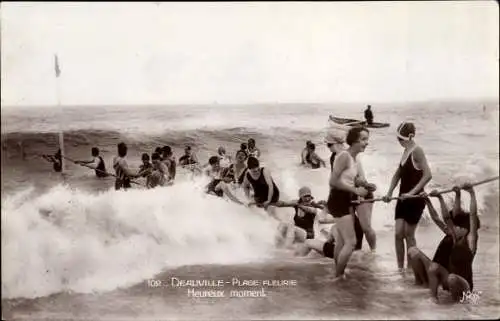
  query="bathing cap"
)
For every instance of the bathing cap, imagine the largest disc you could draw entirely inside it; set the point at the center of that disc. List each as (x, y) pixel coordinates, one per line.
(406, 131)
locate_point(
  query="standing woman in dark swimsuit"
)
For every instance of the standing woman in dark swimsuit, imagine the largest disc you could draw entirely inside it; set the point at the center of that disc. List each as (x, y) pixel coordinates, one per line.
(266, 193)
(451, 266)
(414, 173)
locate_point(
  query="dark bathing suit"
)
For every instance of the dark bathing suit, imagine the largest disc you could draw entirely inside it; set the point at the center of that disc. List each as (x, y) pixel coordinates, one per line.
(305, 222)
(101, 168)
(409, 210)
(308, 160)
(329, 248)
(357, 224)
(261, 189)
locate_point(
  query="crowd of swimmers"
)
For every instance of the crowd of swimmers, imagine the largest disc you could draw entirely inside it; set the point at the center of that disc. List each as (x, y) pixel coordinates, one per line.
(348, 208)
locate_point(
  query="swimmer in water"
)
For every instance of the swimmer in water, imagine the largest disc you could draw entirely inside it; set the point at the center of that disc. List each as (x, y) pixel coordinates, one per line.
(252, 149)
(238, 169)
(159, 174)
(97, 163)
(414, 173)
(146, 168)
(220, 187)
(304, 153)
(225, 160)
(169, 160)
(306, 214)
(213, 168)
(266, 193)
(55, 159)
(324, 247)
(451, 266)
(122, 170)
(312, 159)
(189, 160)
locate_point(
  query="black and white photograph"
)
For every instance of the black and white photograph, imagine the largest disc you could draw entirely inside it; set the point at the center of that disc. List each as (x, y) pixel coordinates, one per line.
(250, 160)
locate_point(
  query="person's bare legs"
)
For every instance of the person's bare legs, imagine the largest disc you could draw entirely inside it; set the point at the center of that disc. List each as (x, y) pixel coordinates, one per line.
(365, 219)
(420, 265)
(409, 232)
(345, 226)
(457, 286)
(438, 275)
(399, 239)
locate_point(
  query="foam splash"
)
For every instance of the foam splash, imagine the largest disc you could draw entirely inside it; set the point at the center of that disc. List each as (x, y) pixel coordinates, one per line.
(70, 240)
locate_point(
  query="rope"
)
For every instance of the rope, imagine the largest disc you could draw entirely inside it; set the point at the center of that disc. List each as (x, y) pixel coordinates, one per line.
(98, 170)
(484, 181)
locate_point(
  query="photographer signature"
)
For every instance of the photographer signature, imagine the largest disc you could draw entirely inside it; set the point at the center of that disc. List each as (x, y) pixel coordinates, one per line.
(470, 297)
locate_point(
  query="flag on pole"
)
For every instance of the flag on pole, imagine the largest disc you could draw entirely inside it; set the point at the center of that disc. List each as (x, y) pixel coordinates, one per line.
(56, 65)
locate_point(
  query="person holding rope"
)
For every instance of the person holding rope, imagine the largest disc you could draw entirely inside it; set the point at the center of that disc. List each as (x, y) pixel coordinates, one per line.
(451, 266)
(122, 171)
(97, 163)
(414, 173)
(335, 143)
(343, 191)
(55, 159)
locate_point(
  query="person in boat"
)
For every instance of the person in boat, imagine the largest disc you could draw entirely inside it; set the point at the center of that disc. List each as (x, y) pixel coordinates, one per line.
(169, 161)
(123, 173)
(369, 115)
(266, 193)
(335, 143)
(225, 160)
(306, 214)
(304, 153)
(451, 266)
(220, 187)
(343, 191)
(414, 173)
(312, 159)
(252, 149)
(238, 169)
(97, 163)
(55, 159)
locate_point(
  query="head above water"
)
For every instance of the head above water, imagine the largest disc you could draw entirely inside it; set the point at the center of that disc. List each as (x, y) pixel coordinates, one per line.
(122, 149)
(155, 157)
(252, 163)
(167, 150)
(221, 150)
(241, 156)
(251, 142)
(305, 193)
(95, 151)
(405, 132)
(243, 146)
(145, 157)
(214, 160)
(311, 147)
(369, 107)
(356, 134)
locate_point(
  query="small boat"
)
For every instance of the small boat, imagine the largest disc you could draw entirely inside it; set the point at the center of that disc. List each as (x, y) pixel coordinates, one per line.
(356, 122)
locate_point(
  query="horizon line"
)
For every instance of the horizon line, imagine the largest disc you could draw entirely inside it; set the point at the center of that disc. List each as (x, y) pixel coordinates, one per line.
(215, 103)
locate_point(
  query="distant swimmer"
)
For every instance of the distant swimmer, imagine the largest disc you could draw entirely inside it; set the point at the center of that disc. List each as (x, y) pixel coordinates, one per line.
(169, 161)
(369, 115)
(306, 214)
(225, 160)
(97, 163)
(451, 266)
(220, 187)
(239, 168)
(304, 152)
(312, 159)
(266, 193)
(159, 175)
(122, 171)
(343, 191)
(55, 159)
(414, 173)
(252, 149)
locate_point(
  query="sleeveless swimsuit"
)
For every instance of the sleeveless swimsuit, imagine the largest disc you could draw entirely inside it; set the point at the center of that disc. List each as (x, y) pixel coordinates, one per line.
(305, 222)
(409, 210)
(261, 189)
(339, 201)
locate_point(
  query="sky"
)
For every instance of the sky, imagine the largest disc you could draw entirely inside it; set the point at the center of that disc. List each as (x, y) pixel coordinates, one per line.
(248, 52)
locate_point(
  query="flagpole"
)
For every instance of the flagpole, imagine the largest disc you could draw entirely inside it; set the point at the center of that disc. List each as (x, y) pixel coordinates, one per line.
(58, 93)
